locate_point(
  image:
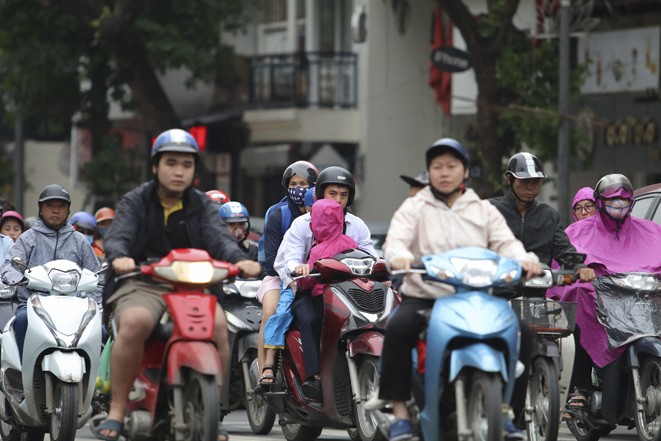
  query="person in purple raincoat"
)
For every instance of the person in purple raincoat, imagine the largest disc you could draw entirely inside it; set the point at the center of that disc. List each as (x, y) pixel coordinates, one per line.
(583, 205)
(614, 242)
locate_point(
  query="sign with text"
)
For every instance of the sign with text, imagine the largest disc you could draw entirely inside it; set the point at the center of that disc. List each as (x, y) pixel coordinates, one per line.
(620, 61)
(450, 59)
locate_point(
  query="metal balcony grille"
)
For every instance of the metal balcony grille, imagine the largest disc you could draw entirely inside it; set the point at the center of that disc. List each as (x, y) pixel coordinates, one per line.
(304, 79)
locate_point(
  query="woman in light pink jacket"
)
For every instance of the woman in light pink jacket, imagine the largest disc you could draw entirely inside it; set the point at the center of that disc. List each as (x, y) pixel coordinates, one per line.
(443, 216)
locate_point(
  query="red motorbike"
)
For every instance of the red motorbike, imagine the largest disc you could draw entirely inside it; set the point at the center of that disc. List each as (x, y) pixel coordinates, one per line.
(356, 306)
(176, 394)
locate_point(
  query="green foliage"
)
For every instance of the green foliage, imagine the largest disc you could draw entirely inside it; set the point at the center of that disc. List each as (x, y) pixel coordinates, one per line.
(528, 80)
(39, 70)
(113, 171)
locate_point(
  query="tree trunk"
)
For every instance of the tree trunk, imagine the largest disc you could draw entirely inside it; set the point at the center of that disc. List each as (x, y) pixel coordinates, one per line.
(123, 41)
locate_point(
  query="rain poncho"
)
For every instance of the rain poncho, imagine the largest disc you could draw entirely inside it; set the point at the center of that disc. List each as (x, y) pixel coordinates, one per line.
(326, 222)
(633, 246)
(583, 194)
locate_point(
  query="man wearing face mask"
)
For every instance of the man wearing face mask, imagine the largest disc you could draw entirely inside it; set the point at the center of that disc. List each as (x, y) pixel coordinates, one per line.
(85, 223)
(49, 239)
(104, 217)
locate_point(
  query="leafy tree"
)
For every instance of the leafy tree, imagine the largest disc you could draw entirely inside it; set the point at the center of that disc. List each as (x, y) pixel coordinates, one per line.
(70, 57)
(517, 85)
(113, 171)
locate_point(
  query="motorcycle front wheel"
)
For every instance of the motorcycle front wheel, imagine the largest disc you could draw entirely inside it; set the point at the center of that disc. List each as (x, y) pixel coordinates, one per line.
(648, 421)
(484, 416)
(297, 432)
(260, 416)
(64, 419)
(544, 398)
(368, 381)
(201, 408)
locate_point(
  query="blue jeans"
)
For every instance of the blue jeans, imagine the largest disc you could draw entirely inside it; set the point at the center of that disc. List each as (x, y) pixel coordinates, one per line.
(20, 328)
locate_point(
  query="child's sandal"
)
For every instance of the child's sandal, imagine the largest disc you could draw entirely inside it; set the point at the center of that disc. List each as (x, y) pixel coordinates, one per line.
(267, 379)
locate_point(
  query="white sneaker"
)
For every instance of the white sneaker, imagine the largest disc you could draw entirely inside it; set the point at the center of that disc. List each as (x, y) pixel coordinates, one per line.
(374, 402)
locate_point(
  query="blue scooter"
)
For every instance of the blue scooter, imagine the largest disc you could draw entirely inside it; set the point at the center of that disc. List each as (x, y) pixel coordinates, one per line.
(467, 356)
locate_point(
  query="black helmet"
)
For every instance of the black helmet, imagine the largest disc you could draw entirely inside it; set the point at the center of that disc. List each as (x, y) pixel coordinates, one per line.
(613, 185)
(54, 191)
(335, 175)
(303, 169)
(525, 165)
(447, 144)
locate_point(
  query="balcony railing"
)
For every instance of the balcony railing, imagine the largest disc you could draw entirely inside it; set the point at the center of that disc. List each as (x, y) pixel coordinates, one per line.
(304, 79)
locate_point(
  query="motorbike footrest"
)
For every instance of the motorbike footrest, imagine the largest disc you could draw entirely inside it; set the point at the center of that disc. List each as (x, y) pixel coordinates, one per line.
(275, 394)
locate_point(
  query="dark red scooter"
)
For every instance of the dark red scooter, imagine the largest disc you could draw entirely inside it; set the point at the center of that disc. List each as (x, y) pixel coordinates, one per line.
(176, 394)
(356, 306)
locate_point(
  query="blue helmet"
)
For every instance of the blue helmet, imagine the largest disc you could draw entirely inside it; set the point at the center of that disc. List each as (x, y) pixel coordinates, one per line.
(83, 219)
(308, 199)
(447, 145)
(174, 140)
(231, 212)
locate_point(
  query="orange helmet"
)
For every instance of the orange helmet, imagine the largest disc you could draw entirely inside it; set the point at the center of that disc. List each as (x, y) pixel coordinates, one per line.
(104, 213)
(218, 196)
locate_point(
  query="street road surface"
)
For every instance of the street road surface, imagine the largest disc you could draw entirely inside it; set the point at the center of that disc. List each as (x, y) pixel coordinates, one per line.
(237, 424)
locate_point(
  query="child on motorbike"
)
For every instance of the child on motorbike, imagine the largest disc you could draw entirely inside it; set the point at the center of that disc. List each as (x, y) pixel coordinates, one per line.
(334, 183)
(443, 216)
(614, 242)
(326, 222)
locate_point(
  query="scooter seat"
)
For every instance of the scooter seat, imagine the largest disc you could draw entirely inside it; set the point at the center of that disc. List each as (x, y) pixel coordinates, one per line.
(162, 332)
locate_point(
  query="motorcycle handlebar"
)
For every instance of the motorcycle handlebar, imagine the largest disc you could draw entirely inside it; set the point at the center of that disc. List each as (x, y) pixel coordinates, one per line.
(296, 277)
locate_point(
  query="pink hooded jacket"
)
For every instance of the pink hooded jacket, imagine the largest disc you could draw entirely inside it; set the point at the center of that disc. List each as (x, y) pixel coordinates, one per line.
(635, 247)
(583, 194)
(327, 223)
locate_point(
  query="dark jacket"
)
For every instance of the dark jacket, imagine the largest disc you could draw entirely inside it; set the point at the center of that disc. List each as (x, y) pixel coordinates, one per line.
(249, 250)
(138, 230)
(540, 229)
(273, 235)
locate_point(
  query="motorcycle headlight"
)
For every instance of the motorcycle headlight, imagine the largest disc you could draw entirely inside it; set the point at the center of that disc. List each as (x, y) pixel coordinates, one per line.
(475, 273)
(191, 272)
(64, 282)
(360, 267)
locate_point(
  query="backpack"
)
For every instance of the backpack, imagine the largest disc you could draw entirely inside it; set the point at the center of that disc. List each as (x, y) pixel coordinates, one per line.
(286, 220)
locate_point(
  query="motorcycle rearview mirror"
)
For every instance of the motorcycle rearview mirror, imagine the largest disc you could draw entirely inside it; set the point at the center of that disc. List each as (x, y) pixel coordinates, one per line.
(104, 267)
(543, 281)
(18, 263)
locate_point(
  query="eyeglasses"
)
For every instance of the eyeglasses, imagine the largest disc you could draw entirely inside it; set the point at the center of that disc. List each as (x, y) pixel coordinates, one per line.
(587, 208)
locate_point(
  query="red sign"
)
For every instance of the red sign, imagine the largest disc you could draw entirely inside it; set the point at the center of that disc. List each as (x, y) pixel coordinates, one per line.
(200, 135)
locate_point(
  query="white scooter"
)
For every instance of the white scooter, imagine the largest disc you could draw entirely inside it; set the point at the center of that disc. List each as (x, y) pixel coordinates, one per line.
(50, 390)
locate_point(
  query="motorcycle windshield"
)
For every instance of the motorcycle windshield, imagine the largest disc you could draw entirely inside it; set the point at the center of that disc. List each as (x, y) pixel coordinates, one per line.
(628, 311)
